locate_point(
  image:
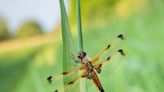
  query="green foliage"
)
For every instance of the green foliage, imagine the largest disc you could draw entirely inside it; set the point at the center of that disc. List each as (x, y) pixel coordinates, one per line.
(142, 69)
(14, 66)
(78, 18)
(92, 10)
(4, 32)
(68, 49)
(83, 86)
(29, 28)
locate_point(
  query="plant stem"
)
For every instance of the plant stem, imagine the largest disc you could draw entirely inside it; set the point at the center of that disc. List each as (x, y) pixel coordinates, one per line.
(83, 87)
(68, 49)
(78, 16)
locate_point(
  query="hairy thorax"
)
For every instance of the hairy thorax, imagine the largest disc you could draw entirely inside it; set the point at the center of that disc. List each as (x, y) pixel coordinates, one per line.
(87, 63)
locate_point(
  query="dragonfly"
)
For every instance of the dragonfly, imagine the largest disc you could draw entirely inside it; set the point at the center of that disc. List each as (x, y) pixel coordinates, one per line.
(91, 67)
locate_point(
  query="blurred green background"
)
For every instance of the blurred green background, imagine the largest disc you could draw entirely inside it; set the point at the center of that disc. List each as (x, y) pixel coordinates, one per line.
(29, 55)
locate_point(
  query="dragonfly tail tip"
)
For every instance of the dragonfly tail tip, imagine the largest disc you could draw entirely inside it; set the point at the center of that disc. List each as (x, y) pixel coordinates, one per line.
(102, 90)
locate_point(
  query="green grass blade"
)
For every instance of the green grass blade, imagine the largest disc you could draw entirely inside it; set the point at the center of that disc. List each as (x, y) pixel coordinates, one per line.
(68, 49)
(78, 17)
(83, 87)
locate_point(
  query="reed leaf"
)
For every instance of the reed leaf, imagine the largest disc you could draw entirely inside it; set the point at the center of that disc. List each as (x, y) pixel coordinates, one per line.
(83, 87)
(68, 49)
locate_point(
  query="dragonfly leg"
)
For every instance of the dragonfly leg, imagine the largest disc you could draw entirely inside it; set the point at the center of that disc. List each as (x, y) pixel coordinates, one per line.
(96, 58)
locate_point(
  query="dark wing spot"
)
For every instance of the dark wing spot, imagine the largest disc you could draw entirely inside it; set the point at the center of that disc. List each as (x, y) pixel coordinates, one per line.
(121, 37)
(83, 76)
(108, 58)
(49, 79)
(70, 82)
(100, 65)
(108, 46)
(56, 91)
(121, 51)
(64, 73)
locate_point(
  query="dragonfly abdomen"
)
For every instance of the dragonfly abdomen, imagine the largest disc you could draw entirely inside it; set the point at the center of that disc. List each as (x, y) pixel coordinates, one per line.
(96, 81)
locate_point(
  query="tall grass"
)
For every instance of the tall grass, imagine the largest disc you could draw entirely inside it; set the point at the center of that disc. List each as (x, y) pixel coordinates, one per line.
(142, 69)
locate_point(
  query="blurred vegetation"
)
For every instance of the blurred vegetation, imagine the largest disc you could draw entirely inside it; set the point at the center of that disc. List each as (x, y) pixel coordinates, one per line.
(4, 31)
(141, 70)
(92, 10)
(29, 28)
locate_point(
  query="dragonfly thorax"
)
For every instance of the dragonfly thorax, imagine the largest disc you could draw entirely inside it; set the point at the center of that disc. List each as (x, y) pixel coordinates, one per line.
(85, 60)
(89, 66)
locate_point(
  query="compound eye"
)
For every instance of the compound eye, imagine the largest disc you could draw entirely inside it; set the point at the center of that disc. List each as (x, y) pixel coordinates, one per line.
(79, 57)
(84, 54)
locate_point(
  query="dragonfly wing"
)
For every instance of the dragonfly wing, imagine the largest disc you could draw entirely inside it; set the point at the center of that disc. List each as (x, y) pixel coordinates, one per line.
(71, 83)
(64, 74)
(111, 62)
(113, 42)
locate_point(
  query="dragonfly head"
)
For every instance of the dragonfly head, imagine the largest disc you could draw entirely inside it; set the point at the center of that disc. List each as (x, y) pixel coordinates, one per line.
(81, 55)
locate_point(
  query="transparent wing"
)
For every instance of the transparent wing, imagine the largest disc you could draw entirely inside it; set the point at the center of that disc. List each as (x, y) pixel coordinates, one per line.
(54, 77)
(72, 82)
(110, 63)
(109, 46)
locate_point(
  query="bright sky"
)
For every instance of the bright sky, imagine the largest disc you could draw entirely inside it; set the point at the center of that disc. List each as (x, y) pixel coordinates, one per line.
(46, 12)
